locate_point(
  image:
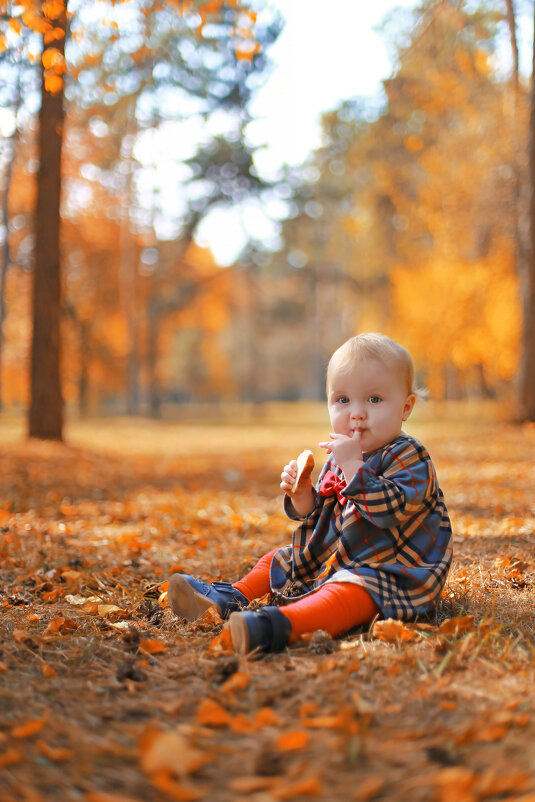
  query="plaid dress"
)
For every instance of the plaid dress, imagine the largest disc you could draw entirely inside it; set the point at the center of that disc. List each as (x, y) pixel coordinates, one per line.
(388, 531)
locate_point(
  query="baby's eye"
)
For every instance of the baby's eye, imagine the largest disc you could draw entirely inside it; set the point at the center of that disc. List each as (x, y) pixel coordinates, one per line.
(343, 399)
(374, 399)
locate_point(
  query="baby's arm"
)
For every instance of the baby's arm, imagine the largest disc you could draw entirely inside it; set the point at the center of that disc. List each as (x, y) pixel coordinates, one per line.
(401, 488)
(303, 497)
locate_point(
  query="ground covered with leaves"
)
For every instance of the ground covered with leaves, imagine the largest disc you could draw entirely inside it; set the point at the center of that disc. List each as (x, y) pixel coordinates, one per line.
(105, 696)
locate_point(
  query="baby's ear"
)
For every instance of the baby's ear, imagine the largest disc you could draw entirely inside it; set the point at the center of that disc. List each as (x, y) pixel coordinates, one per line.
(409, 406)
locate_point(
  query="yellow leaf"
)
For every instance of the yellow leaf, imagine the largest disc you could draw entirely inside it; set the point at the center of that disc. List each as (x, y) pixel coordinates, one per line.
(53, 84)
(54, 35)
(414, 143)
(53, 9)
(35, 22)
(53, 59)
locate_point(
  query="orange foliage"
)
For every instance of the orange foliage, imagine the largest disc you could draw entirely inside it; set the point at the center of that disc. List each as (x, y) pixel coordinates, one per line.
(194, 723)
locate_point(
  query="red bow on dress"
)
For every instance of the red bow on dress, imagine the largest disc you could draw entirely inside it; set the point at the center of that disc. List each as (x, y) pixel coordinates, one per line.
(331, 485)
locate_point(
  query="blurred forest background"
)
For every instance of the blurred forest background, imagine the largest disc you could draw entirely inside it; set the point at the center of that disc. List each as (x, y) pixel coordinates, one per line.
(410, 218)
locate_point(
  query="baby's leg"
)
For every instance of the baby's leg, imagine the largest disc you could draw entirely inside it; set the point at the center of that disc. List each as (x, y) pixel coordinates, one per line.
(256, 583)
(336, 607)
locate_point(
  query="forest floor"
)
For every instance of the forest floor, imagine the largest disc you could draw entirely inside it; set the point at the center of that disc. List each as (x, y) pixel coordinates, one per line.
(105, 696)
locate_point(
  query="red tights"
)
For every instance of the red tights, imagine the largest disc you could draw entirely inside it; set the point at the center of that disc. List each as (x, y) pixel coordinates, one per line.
(335, 607)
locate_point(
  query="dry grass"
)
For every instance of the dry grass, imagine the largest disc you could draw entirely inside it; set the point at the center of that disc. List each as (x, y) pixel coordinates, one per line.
(106, 516)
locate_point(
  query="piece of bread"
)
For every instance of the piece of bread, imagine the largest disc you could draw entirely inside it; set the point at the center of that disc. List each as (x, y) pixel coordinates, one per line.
(305, 465)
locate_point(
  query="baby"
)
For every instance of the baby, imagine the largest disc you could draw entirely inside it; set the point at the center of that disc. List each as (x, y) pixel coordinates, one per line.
(374, 536)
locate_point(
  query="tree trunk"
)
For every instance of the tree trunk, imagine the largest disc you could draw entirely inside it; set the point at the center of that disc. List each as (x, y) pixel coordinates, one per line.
(527, 363)
(46, 403)
(6, 250)
(83, 381)
(511, 22)
(129, 275)
(153, 334)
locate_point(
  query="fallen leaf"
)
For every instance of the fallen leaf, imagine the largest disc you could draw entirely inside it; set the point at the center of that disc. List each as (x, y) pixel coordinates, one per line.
(394, 631)
(56, 753)
(96, 796)
(295, 739)
(171, 707)
(324, 722)
(74, 599)
(239, 681)
(48, 671)
(171, 752)
(109, 609)
(266, 717)
(152, 646)
(211, 713)
(22, 636)
(241, 723)
(455, 783)
(59, 625)
(163, 781)
(71, 576)
(251, 784)
(29, 728)
(163, 600)
(307, 787)
(11, 757)
(456, 626)
(494, 783)
(370, 787)
(221, 644)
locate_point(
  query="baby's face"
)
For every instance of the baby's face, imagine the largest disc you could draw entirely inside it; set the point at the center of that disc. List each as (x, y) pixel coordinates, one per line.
(371, 399)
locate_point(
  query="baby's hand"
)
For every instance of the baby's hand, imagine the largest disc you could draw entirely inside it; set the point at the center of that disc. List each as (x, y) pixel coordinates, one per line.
(347, 452)
(302, 497)
(288, 476)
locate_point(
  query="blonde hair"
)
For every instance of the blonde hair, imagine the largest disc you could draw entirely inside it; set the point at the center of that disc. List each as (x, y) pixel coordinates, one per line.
(373, 345)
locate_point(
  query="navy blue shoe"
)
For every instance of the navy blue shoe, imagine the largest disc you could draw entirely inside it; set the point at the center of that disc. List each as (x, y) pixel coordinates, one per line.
(266, 630)
(189, 598)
